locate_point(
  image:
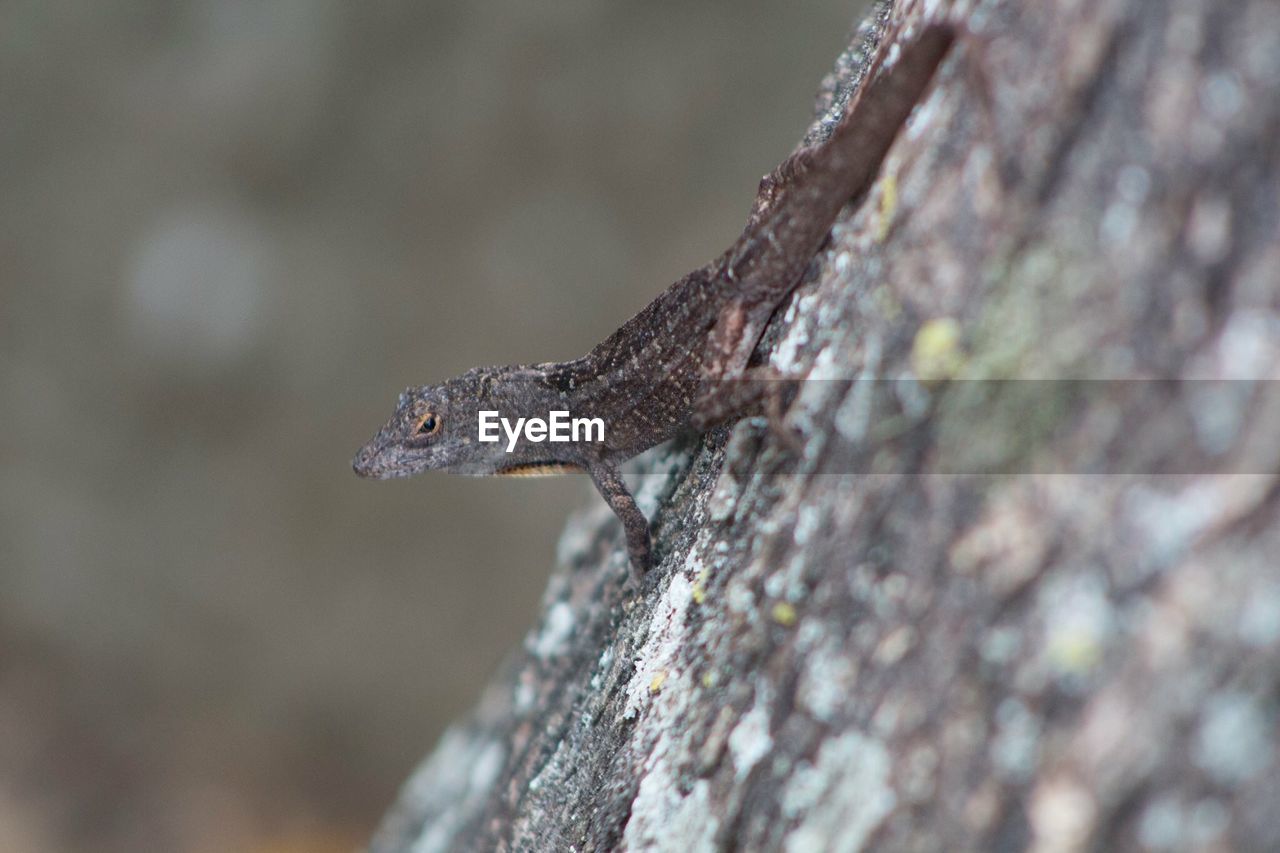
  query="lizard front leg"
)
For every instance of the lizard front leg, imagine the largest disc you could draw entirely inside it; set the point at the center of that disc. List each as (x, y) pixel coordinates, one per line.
(610, 484)
(730, 388)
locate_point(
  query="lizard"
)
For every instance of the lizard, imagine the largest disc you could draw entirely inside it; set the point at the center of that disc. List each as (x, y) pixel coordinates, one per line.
(669, 368)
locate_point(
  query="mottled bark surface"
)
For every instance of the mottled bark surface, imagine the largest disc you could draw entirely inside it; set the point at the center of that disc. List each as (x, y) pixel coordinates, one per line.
(975, 614)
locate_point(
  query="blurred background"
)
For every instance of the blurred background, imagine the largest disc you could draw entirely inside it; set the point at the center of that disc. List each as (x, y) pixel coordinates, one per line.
(230, 233)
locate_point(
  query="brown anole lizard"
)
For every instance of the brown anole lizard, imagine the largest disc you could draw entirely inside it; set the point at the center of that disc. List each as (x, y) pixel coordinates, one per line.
(664, 370)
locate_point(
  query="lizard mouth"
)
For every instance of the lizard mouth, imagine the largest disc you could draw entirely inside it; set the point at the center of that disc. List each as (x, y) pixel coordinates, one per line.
(375, 463)
(365, 464)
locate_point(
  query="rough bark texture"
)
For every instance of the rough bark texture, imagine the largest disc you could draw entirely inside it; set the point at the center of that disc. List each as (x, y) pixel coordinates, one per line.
(975, 614)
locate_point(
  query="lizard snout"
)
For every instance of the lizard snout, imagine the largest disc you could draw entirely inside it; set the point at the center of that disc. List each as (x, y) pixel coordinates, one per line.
(364, 462)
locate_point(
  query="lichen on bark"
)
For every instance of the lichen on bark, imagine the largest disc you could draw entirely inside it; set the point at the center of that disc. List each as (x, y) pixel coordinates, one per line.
(973, 613)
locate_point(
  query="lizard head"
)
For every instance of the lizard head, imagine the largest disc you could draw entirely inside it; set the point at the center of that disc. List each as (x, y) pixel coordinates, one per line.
(433, 428)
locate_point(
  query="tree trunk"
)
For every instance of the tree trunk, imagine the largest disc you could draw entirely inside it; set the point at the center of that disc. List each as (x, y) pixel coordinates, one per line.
(986, 608)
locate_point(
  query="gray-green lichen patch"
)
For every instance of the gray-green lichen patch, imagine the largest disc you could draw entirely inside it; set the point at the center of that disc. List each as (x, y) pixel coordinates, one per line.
(667, 820)
(452, 786)
(750, 741)
(660, 655)
(841, 798)
(1236, 738)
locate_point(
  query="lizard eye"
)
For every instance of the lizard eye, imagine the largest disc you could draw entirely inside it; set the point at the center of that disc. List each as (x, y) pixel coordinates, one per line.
(428, 424)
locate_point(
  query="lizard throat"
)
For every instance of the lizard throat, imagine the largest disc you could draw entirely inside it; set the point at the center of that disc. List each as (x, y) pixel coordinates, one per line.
(538, 469)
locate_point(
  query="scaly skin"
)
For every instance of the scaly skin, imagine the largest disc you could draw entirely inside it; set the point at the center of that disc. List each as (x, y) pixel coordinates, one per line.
(663, 371)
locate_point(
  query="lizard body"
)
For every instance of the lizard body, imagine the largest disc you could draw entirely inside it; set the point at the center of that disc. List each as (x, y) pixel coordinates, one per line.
(657, 375)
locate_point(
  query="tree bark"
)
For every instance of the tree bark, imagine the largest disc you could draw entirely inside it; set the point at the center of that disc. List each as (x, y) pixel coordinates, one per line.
(985, 608)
